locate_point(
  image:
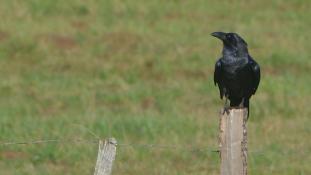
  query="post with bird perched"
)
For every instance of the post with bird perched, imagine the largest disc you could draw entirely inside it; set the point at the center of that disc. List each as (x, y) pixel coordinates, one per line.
(233, 142)
(237, 76)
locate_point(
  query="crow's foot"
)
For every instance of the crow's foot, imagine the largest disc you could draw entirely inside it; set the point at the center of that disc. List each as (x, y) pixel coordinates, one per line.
(241, 105)
(226, 106)
(226, 110)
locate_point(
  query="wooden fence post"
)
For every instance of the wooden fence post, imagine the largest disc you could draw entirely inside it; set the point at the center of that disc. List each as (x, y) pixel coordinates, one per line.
(233, 142)
(105, 157)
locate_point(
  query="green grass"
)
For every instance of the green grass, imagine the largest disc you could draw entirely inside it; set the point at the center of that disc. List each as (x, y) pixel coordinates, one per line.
(142, 71)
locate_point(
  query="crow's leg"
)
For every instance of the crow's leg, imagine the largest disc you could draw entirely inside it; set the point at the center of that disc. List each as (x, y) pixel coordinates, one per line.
(226, 106)
(241, 105)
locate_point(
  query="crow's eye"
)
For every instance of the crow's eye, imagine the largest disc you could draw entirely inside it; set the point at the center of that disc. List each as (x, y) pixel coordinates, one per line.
(231, 39)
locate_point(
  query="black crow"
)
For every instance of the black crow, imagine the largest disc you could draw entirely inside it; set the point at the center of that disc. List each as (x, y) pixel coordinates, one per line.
(237, 74)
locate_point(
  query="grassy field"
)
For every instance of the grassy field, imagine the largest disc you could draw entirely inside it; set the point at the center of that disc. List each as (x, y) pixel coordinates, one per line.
(142, 71)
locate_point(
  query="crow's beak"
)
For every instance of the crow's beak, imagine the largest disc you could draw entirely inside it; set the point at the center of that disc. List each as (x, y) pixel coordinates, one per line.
(220, 35)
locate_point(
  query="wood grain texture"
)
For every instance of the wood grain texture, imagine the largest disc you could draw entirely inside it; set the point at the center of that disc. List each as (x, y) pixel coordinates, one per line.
(233, 142)
(106, 155)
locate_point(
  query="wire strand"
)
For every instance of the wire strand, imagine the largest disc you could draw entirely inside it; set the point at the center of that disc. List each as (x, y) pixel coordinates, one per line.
(136, 146)
(46, 141)
(149, 146)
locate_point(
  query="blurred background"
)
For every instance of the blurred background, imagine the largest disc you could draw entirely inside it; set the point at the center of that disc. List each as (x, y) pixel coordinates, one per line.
(142, 71)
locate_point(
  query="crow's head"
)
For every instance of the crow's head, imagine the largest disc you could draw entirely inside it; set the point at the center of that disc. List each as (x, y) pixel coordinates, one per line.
(232, 41)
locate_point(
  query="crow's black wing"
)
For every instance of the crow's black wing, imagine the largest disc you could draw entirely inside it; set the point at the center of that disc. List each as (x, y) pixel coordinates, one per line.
(255, 70)
(218, 78)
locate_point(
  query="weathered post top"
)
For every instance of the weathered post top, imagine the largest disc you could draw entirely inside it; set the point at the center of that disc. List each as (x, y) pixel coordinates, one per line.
(106, 155)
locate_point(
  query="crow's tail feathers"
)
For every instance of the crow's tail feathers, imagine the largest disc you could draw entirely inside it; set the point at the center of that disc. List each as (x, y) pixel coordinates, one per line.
(246, 105)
